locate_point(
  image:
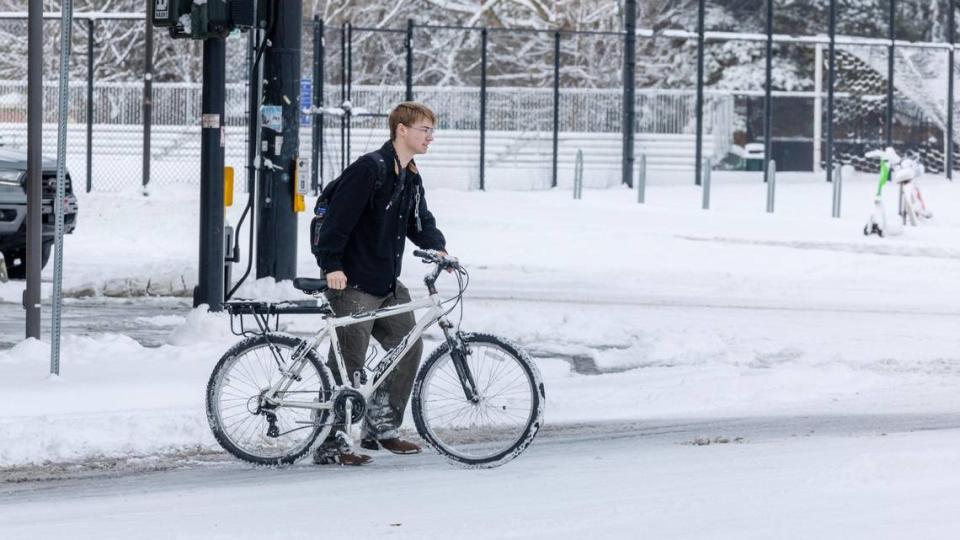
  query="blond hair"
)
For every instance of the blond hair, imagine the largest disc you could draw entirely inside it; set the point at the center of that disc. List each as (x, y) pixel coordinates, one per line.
(407, 113)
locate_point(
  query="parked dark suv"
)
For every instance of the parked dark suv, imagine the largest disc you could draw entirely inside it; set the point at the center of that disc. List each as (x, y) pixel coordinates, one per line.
(13, 209)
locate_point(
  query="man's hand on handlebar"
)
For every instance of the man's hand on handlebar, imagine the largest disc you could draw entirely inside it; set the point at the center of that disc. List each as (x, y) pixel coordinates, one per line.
(337, 280)
(440, 257)
(445, 254)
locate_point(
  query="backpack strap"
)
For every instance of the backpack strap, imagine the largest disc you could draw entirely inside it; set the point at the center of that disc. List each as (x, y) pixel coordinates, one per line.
(381, 178)
(381, 169)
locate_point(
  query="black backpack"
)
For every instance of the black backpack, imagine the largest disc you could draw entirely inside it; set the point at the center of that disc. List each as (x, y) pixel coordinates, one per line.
(326, 196)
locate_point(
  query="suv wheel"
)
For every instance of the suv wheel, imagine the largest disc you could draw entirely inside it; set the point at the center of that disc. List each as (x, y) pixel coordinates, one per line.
(16, 260)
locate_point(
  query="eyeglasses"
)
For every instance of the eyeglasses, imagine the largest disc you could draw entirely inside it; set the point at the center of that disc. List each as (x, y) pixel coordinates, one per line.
(428, 130)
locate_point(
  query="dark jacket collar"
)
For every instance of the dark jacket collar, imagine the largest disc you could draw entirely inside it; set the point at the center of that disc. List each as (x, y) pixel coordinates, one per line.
(391, 154)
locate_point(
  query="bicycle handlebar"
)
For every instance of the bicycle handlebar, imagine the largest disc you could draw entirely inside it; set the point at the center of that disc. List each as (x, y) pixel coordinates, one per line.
(431, 256)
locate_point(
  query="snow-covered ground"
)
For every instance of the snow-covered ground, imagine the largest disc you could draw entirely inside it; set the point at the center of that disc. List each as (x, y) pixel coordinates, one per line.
(850, 480)
(666, 311)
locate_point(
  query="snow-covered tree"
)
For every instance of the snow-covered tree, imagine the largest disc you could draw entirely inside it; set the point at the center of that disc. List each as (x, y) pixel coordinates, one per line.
(452, 57)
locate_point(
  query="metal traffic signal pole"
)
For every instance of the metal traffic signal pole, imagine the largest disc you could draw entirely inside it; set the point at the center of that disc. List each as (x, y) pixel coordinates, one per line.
(147, 104)
(209, 289)
(31, 296)
(698, 160)
(210, 21)
(277, 220)
(629, 90)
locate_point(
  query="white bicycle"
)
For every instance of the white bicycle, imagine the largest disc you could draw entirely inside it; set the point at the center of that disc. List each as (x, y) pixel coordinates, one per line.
(478, 399)
(913, 208)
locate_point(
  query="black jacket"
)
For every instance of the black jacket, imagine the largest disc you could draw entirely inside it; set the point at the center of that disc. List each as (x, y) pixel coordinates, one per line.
(364, 232)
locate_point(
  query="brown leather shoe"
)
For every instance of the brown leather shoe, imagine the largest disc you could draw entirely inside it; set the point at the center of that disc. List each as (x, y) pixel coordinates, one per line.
(323, 456)
(395, 445)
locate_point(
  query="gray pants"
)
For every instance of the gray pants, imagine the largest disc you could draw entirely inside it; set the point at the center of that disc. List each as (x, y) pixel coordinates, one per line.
(387, 405)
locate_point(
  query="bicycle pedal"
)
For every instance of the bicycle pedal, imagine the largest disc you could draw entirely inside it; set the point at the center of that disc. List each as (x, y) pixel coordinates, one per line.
(370, 444)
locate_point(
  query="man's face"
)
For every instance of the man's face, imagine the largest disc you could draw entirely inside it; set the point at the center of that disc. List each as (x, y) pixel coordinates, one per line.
(417, 137)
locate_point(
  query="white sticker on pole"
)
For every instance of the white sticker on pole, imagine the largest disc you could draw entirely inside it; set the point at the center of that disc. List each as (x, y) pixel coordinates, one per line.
(210, 121)
(271, 117)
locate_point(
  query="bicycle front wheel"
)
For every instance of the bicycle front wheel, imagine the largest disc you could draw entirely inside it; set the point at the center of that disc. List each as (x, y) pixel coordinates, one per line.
(244, 423)
(499, 423)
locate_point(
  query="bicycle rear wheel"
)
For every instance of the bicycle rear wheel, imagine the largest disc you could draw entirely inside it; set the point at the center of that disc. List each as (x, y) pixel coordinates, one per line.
(247, 427)
(492, 429)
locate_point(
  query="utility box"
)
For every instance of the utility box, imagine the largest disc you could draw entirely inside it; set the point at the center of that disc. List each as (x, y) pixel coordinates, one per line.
(243, 13)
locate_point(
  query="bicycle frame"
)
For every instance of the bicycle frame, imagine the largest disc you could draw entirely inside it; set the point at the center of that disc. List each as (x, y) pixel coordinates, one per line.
(374, 378)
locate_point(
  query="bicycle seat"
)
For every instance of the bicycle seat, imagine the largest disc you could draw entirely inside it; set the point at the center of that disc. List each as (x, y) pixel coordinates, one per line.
(310, 285)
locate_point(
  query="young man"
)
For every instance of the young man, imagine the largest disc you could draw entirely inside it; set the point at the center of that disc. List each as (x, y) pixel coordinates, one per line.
(360, 249)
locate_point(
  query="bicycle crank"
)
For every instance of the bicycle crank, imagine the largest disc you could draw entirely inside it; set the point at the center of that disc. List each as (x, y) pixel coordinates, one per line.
(358, 405)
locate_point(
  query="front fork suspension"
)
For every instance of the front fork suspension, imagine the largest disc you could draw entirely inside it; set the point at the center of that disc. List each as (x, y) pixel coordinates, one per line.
(459, 354)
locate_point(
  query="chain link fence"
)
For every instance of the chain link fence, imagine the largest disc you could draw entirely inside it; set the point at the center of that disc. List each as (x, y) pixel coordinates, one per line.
(509, 106)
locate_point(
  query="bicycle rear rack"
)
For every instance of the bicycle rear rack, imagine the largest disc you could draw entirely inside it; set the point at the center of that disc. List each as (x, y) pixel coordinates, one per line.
(267, 314)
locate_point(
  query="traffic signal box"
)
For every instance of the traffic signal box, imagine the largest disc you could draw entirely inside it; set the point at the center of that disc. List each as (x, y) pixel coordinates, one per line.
(203, 19)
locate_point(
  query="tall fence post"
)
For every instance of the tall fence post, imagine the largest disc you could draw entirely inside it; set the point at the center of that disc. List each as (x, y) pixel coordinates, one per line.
(771, 178)
(317, 117)
(147, 102)
(349, 114)
(817, 105)
(888, 127)
(343, 95)
(831, 79)
(951, 29)
(768, 95)
(699, 150)
(483, 106)
(556, 105)
(629, 89)
(408, 45)
(90, 23)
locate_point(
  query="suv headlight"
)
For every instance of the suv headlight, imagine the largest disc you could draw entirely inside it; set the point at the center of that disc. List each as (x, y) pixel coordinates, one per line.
(10, 178)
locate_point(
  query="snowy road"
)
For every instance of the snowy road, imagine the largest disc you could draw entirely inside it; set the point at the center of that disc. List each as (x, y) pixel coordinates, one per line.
(777, 477)
(150, 320)
(135, 317)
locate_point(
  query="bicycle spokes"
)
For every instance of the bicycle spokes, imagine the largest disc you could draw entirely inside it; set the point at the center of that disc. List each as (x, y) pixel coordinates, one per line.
(498, 414)
(247, 397)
